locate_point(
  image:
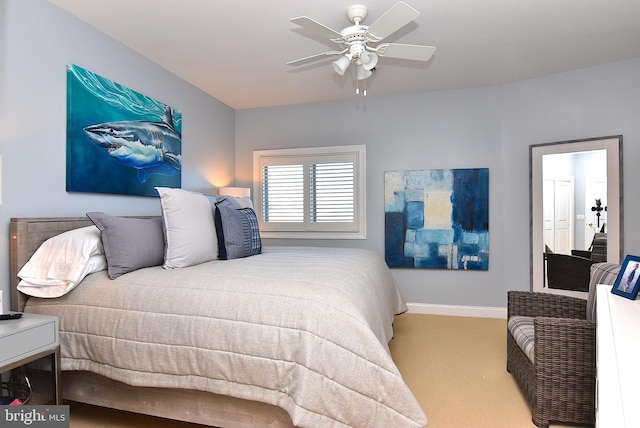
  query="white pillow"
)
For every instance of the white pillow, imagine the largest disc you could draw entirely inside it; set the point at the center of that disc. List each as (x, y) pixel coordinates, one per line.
(189, 228)
(61, 262)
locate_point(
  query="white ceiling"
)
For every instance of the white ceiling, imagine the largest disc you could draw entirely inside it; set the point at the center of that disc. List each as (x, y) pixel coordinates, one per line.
(236, 50)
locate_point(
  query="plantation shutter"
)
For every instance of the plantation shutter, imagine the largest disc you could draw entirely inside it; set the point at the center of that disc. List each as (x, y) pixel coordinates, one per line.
(306, 193)
(283, 195)
(332, 192)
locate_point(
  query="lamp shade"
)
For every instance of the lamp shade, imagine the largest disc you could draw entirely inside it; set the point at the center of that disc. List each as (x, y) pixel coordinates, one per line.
(369, 60)
(236, 192)
(341, 64)
(362, 73)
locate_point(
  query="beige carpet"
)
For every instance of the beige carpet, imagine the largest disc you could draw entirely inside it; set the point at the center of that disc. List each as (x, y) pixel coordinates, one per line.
(455, 366)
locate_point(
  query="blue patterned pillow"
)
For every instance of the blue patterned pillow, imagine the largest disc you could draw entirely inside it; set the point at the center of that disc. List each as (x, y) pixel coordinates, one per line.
(238, 233)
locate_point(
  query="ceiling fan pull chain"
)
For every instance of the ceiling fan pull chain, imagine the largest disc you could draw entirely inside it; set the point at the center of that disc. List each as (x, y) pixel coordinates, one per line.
(364, 89)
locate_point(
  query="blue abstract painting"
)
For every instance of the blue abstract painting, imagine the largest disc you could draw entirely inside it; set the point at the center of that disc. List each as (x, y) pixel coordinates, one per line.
(437, 218)
(118, 140)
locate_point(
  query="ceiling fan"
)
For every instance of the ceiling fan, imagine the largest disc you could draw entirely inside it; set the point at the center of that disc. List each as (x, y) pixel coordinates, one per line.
(360, 44)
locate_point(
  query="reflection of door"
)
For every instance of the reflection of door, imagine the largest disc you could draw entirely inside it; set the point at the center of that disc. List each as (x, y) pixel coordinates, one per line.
(548, 216)
(563, 216)
(558, 214)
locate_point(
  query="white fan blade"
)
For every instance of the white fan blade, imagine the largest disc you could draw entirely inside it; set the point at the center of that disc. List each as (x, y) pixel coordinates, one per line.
(401, 51)
(314, 57)
(394, 19)
(318, 28)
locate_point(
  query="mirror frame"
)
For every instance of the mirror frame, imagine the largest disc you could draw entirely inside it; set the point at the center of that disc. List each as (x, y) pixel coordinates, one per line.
(613, 146)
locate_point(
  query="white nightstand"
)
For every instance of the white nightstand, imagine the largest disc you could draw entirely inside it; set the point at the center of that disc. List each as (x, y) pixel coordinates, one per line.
(28, 339)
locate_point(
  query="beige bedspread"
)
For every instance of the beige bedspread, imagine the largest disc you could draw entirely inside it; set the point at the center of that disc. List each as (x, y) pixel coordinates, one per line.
(305, 329)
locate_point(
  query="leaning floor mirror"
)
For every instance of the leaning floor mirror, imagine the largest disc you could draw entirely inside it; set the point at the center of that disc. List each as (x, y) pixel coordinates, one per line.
(576, 211)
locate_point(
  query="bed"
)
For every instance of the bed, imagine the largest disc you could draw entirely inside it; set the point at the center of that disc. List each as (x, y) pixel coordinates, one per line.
(293, 336)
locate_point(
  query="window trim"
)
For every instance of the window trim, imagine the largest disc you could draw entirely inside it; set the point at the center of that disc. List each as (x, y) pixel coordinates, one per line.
(356, 230)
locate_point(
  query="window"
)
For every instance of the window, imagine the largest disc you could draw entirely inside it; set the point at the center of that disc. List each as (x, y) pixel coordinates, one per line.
(311, 192)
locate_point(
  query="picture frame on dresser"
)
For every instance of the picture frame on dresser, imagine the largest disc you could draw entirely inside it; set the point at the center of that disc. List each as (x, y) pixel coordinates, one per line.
(627, 283)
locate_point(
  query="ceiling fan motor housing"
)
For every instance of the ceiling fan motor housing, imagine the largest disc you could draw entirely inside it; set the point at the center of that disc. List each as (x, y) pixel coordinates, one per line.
(354, 39)
(356, 13)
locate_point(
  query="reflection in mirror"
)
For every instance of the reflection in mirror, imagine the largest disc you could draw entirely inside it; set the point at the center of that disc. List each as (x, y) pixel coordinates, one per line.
(576, 206)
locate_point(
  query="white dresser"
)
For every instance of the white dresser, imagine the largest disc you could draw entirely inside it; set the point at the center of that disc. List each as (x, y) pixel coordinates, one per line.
(618, 360)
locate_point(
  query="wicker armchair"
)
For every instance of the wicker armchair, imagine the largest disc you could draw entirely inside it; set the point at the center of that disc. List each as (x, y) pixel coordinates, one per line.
(560, 384)
(558, 380)
(567, 272)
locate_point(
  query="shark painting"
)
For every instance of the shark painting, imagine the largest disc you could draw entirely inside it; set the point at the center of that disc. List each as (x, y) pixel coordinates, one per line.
(119, 141)
(150, 147)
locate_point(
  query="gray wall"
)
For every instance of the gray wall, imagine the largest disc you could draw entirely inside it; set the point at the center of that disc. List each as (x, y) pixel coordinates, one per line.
(486, 127)
(37, 41)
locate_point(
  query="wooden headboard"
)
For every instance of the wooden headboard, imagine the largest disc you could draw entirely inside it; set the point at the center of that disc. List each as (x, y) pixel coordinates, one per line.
(25, 236)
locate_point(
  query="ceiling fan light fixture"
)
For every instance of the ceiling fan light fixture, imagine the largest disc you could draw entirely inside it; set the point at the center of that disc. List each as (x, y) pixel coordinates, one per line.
(341, 64)
(362, 73)
(369, 60)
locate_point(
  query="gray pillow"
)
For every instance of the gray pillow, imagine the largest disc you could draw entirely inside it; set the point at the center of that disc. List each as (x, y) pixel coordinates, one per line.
(129, 243)
(238, 233)
(190, 231)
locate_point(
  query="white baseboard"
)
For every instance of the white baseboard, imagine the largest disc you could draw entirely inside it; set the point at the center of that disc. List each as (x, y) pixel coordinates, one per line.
(457, 311)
